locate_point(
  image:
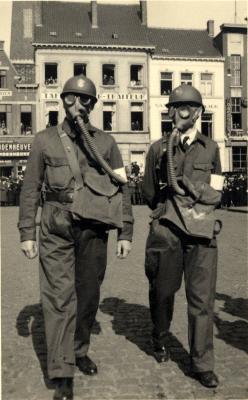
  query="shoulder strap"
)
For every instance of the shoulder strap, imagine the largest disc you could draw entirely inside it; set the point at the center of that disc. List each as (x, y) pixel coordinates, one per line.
(71, 157)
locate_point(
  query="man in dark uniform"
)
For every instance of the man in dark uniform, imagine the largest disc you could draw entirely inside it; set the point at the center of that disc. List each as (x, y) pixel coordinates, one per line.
(72, 249)
(181, 237)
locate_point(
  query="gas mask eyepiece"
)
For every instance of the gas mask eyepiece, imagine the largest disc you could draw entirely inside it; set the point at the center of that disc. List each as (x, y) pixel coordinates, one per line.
(71, 98)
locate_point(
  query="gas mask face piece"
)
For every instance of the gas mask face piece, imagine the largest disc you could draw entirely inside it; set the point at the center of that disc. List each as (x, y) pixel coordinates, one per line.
(184, 116)
(77, 105)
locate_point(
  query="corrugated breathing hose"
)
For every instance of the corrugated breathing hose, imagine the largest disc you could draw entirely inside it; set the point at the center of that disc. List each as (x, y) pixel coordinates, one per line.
(171, 170)
(118, 178)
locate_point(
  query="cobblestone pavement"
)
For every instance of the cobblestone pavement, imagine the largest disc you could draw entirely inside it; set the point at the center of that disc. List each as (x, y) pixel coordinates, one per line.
(121, 340)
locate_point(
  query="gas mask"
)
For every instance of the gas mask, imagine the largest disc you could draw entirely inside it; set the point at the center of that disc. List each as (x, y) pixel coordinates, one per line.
(77, 105)
(184, 116)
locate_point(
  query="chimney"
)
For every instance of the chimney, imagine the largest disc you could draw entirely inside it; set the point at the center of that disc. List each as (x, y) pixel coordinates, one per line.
(143, 12)
(210, 28)
(94, 23)
(37, 13)
(1, 44)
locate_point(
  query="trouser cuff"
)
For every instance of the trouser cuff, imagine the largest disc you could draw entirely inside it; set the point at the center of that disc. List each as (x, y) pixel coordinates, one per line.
(160, 339)
(82, 351)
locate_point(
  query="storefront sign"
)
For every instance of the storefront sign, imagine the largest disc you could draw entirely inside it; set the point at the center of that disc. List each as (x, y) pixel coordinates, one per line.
(50, 96)
(14, 149)
(7, 162)
(122, 96)
(211, 106)
(5, 93)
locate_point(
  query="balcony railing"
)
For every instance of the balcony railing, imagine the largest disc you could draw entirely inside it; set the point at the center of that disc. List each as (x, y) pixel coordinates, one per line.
(239, 134)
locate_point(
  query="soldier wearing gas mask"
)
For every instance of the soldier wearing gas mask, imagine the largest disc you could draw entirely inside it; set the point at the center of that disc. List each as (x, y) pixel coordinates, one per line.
(85, 197)
(182, 185)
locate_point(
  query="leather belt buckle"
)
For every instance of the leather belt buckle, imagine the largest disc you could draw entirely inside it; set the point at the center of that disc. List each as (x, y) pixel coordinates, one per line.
(69, 197)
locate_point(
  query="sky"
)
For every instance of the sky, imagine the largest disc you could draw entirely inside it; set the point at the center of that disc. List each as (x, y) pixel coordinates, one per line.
(186, 14)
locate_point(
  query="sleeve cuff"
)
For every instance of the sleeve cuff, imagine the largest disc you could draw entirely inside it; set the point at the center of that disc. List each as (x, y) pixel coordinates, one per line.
(128, 218)
(125, 233)
(27, 234)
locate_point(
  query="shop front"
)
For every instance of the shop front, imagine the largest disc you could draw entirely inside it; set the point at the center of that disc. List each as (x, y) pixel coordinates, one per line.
(14, 153)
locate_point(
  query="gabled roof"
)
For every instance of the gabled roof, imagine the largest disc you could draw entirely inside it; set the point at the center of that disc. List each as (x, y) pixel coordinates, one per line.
(70, 23)
(182, 43)
(5, 61)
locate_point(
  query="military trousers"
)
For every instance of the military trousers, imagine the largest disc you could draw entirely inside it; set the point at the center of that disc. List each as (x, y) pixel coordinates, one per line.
(73, 257)
(170, 254)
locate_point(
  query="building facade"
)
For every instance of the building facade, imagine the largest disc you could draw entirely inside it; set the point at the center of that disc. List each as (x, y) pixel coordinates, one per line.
(187, 57)
(17, 117)
(134, 68)
(232, 43)
(121, 81)
(114, 57)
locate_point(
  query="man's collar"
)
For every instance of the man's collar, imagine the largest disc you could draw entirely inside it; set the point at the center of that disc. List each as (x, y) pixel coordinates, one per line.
(200, 138)
(71, 129)
(191, 134)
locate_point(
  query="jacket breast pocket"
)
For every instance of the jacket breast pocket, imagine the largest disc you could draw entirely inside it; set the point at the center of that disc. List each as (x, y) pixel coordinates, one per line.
(58, 174)
(202, 171)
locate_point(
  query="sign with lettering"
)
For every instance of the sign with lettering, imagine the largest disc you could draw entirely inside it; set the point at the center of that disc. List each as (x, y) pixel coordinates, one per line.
(11, 149)
(5, 93)
(122, 96)
(50, 96)
(211, 106)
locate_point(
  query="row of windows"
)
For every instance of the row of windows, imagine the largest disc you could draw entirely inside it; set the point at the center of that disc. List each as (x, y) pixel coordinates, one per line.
(25, 119)
(136, 77)
(108, 73)
(109, 122)
(166, 82)
(206, 124)
(110, 118)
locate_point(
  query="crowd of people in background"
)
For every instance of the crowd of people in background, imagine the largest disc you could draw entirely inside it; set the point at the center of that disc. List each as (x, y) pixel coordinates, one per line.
(10, 189)
(235, 192)
(135, 182)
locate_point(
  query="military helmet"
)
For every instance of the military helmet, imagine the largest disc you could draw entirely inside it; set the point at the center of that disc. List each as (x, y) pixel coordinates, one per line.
(79, 85)
(185, 94)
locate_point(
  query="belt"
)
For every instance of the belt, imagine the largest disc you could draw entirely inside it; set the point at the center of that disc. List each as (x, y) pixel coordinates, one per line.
(61, 197)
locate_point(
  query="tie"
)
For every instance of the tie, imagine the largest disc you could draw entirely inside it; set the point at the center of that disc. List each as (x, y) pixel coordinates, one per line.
(184, 143)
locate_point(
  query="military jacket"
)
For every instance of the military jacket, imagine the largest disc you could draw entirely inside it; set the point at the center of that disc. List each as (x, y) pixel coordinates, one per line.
(48, 166)
(198, 163)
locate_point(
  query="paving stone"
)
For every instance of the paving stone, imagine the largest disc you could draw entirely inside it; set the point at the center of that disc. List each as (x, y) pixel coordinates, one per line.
(121, 341)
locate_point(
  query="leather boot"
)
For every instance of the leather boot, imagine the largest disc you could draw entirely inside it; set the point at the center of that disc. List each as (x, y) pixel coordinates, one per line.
(86, 365)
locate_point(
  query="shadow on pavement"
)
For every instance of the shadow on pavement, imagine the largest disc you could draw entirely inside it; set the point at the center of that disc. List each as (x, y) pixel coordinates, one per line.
(233, 333)
(30, 321)
(237, 307)
(133, 321)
